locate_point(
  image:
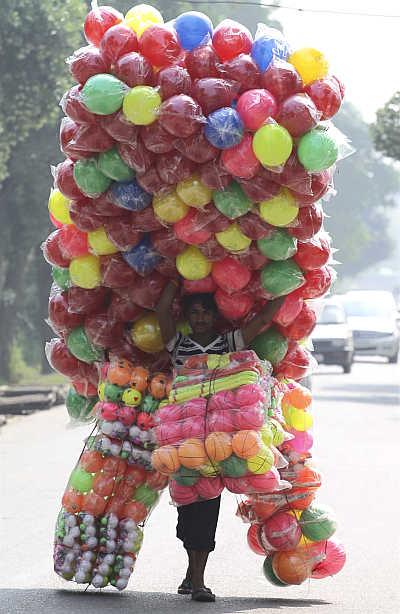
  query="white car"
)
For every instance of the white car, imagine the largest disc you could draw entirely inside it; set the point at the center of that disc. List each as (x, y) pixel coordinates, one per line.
(332, 338)
(374, 319)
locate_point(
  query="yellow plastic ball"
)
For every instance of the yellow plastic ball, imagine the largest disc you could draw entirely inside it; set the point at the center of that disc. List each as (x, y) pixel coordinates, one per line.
(141, 105)
(267, 435)
(169, 208)
(100, 244)
(193, 192)
(85, 272)
(310, 63)
(279, 210)
(131, 397)
(59, 207)
(299, 419)
(192, 264)
(261, 462)
(209, 470)
(141, 17)
(146, 334)
(278, 432)
(232, 239)
(101, 391)
(272, 145)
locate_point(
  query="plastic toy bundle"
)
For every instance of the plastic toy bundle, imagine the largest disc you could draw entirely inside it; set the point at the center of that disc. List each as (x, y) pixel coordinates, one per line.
(218, 432)
(292, 530)
(113, 488)
(196, 151)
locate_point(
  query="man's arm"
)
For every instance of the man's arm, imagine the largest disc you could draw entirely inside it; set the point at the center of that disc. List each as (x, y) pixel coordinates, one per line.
(164, 311)
(252, 328)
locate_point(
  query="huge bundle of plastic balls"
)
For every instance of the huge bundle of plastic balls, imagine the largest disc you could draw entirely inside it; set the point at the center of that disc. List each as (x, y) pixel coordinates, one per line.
(196, 152)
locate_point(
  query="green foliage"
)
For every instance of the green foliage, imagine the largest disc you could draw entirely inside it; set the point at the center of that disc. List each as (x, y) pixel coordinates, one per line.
(19, 369)
(386, 130)
(35, 38)
(358, 216)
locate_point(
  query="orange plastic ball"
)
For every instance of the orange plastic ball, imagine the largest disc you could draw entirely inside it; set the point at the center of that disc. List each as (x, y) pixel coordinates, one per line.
(218, 446)
(92, 461)
(139, 378)
(135, 475)
(115, 466)
(72, 501)
(115, 505)
(292, 566)
(124, 490)
(298, 397)
(166, 460)
(246, 443)
(192, 453)
(103, 484)
(158, 386)
(136, 510)
(94, 504)
(120, 373)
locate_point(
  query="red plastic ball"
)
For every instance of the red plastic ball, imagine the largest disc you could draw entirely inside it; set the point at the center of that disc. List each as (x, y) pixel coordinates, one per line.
(294, 176)
(85, 63)
(212, 250)
(147, 290)
(174, 80)
(202, 62)
(104, 207)
(59, 317)
(254, 227)
(281, 79)
(260, 187)
(295, 364)
(233, 306)
(145, 220)
(151, 182)
(181, 116)
(122, 309)
(156, 139)
(214, 175)
(313, 254)
(230, 39)
(255, 107)
(64, 179)
(212, 94)
(308, 222)
(73, 106)
(62, 360)
(160, 45)
(192, 228)
(116, 42)
(240, 160)
(302, 326)
(289, 310)
(116, 273)
(326, 96)
(319, 186)
(102, 331)
(174, 168)
(166, 243)
(134, 69)
(52, 250)
(122, 233)
(298, 114)
(85, 301)
(82, 215)
(118, 127)
(318, 282)
(98, 21)
(69, 131)
(230, 275)
(243, 70)
(73, 242)
(253, 259)
(205, 285)
(136, 156)
(253, 539)
(197, 148)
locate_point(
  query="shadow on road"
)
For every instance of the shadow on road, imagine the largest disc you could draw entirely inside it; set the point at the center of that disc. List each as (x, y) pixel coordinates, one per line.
(45, 601)
(363, 399)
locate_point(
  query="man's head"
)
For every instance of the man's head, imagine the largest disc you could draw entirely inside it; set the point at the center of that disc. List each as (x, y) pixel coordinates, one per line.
(201, 312)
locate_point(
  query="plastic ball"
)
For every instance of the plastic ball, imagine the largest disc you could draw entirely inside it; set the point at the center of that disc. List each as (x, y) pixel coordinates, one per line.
(230, 275)
(282, 277)
(313, 254)
(218, 446)
(213, 94)
(326, 95)
(135, 510)
(298, 114)
(111, 165)
(169, 207)
(298, 419)
(224, 128)
(134, 70)
(317, 150)
(281, 79)
(261, 462)
(193, 29)
(146, 334)
(292, 566)
(103, 94)
(100, 244)
(233, 306)
(72, 501)
(302, 326)
(72, 241)
(192, 265)
(141, 105)
(194, 192)
(141, 17)
(131, 397)
(253, 539)
(230, 39)
(310, 63)
(267, 46)
(272, 145)
(89, 178)
(98, 21)
(302, 441)
(80, 346)
(116, 42)
(143, 258)
(318, 523)
(233, 467)
(166, 460)
(59, 207)
(202, 62)
(174, 80)
(246, 443)
(85, 272)
(61, 277)
(233, 239)
(270, 574)
(282, 531)
(146, 495)
(192, 453)
(279, 210)
(270, 345)
(181, 116)
(255, 107)
(240, 160)
(81, 480)
(318, 282)
(279, 245)
(129, 195)
(308, 223)
(334, 560)
(160, 45)
(232, 202)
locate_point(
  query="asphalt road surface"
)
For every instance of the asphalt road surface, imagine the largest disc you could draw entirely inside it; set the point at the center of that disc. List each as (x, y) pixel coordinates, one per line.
(357, 433)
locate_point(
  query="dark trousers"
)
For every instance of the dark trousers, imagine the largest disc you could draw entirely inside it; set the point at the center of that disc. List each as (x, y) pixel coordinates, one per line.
(197, 523)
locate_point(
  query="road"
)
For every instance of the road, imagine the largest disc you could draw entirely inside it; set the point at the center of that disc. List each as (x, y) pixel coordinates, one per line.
(357, 430)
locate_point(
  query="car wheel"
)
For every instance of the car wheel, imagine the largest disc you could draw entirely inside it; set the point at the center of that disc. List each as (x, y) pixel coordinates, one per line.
(347, 367)
(393, 359)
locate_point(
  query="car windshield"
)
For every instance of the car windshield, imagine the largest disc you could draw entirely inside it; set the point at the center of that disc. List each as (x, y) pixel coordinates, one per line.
(332, 314)
(368, 309)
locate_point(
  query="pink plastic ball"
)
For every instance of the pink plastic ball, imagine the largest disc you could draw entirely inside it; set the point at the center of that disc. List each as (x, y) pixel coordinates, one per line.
(238, 486)
(249, 395)
(282, 531)
(302, 442)
(223, 400)
(220, 422)
(255, 107)
(168, 433)
(182, 495)
(247, 418)
(209, 488)
(335, 559)
(240, 160)
(264, 483)
(193, 427)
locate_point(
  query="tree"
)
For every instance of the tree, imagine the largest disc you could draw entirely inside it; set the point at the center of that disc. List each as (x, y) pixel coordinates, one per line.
(366, 187)
(34, 41)
(386, 129)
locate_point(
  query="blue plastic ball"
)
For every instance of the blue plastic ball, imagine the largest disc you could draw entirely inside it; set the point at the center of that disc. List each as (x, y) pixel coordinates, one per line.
(224, 128)
(143, 258)
(269, 45)
(193, 29)
(129, 195)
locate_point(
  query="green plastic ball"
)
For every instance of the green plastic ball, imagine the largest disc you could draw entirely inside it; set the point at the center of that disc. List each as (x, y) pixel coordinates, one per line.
(279, 245)
(186, 477)
(89, 179)
(281, 278)
(78, 406)
(112, 165)
(318, 523)
(233, 467)
(270, 345)
(103, 94)
(149, 405)
(145, 495)
(81, 480)
(232, 202)
(61, 277)
(112, 392)
(270, 574)
(80, 346)
(317, 150)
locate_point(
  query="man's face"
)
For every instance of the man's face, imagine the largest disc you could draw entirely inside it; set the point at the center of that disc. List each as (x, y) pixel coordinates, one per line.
(201, 320)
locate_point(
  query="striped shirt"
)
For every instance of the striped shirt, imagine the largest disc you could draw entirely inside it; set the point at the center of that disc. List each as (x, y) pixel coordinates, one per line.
(181, 347)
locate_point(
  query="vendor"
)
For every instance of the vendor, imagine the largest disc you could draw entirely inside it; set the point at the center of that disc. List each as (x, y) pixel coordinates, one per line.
(197, 522)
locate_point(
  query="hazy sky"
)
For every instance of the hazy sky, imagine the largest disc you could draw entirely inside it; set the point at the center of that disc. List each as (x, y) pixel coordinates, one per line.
(363, 51)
